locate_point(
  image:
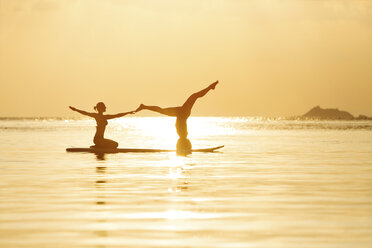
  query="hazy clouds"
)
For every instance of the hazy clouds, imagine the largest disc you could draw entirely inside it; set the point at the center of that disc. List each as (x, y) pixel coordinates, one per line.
(272, 57)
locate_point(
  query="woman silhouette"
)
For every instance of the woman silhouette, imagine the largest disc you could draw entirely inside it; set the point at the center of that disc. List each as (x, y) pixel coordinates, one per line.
(101, 119)
(182, 113)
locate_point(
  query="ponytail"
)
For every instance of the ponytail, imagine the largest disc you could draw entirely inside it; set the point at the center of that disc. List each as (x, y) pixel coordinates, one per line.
(100, 105)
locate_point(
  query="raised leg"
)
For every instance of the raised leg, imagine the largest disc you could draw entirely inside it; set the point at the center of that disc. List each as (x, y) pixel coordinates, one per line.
(191, 100)
(165, 111)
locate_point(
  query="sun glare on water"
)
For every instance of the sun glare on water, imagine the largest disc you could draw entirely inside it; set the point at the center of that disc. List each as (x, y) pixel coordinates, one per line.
(160, 132)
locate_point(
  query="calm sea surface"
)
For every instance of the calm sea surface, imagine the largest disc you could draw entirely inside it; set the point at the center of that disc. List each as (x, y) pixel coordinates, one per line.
(276, 183)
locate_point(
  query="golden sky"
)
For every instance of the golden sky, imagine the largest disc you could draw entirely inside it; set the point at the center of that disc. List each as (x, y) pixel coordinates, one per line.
(273, 58)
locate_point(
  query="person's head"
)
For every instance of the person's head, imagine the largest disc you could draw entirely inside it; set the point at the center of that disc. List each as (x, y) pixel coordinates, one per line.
(100, 107)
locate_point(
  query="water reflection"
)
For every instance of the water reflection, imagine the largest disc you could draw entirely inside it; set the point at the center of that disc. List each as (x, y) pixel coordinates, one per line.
(99, 182)
(100, 169)
(274, 186)
(100, 185)
(178, 188)
(102, 234)
(179, 173)
(100, 156)
(173, 214)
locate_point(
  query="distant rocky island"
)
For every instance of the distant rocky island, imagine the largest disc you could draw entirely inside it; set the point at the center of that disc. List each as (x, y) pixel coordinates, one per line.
(332, 114)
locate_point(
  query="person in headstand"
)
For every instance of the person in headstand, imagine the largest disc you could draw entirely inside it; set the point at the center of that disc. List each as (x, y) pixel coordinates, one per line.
(101, 119)
(182, 113)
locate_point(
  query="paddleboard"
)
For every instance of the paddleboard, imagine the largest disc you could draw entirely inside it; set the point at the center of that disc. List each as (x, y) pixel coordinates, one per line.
(124, 150)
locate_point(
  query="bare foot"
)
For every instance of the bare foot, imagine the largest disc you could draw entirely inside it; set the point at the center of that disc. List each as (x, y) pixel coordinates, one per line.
(140, 107)
(212, 86)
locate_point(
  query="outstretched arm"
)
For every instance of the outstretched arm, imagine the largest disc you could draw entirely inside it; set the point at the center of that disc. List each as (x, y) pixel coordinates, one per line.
(82, 112)
(119, 115)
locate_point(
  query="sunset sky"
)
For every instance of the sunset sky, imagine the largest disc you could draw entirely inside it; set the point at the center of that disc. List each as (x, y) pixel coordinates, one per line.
(272, 58)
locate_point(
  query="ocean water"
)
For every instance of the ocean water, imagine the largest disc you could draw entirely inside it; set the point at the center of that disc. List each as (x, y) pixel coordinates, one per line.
(276, 183)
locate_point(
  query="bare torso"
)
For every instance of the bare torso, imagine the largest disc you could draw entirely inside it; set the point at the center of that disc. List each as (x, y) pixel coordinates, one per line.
(100, 129)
